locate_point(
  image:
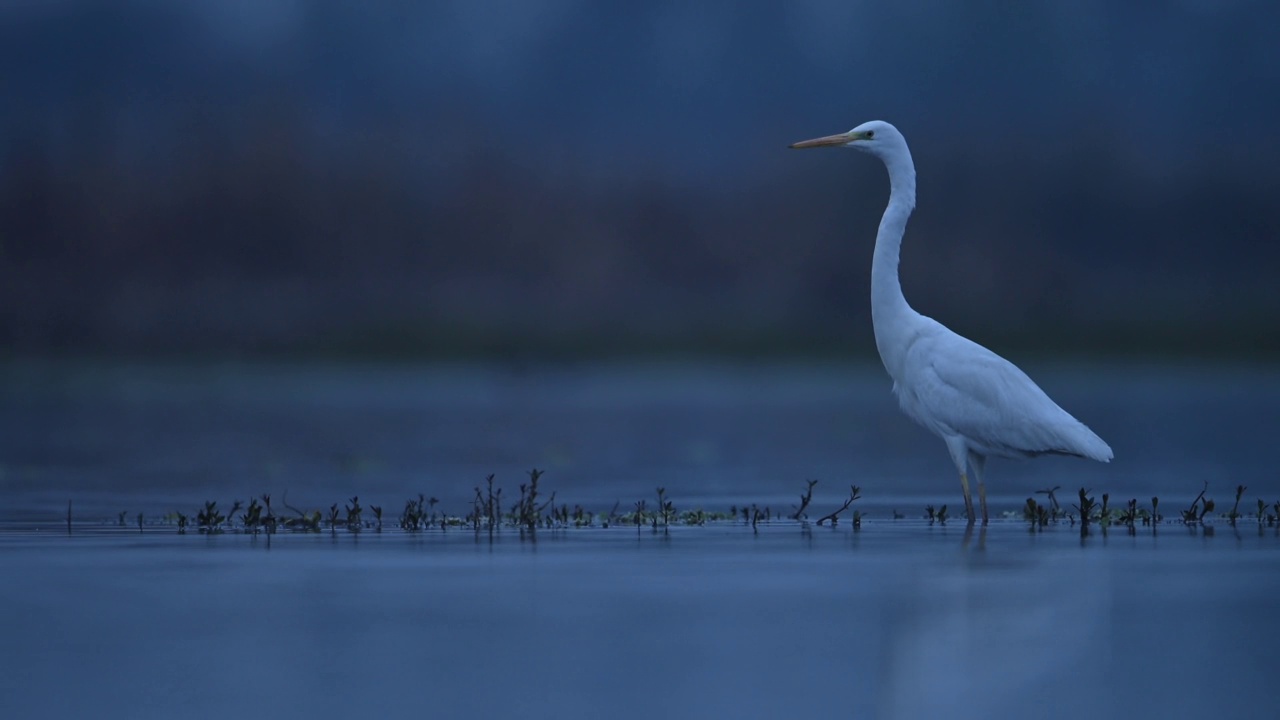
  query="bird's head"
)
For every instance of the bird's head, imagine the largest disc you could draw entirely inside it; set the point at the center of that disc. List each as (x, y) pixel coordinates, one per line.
(876, 137)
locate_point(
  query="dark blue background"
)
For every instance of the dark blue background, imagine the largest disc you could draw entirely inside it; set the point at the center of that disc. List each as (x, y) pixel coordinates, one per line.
(448, 178)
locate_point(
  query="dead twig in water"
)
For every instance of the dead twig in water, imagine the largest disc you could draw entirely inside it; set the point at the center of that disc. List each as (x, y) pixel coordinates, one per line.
(834, 517)
(1190, 515)
(804, 501)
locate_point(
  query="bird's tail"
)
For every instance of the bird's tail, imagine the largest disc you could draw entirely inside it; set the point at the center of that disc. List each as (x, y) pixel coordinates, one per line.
(1089, 445)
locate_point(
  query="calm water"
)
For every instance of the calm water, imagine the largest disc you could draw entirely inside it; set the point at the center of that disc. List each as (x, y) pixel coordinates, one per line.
(896, 620)
(156, 438)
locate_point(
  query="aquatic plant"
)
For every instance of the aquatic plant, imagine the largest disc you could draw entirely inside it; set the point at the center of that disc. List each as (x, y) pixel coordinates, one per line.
(1192, 515)
(1035, 513)
(414, 516)
(1055, 510)
(353, 514)
(750, 515)
(493, 503)
(305, 522)
(1129, 516)
(252, 516)
(938, 516)
(558, 518)
(1235, 508)
(475, 515)
(1263, 515)
(1085, 508)
(834, 517)
(268, 520)
(805, 497)
(527, 510)
(209, 520)
(535, 509)
(1106, 513)
(1154, 517)
(665, 508)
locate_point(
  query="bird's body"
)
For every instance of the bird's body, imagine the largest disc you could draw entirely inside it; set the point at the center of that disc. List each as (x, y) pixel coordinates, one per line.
(979, 403)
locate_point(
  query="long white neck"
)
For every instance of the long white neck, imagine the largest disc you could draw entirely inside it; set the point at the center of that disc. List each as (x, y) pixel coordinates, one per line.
(891, 316)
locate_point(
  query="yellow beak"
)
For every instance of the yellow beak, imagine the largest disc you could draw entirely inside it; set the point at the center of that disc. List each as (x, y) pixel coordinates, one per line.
(828, 141)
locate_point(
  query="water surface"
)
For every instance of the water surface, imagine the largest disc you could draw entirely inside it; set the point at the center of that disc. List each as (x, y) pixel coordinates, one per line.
(156, 437)
(893, 621)
(899, 619)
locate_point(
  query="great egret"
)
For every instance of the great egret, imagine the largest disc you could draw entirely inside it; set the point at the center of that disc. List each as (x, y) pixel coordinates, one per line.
(979, 403)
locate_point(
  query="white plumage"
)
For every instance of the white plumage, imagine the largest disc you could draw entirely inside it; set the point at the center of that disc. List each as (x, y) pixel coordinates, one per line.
(979, 403)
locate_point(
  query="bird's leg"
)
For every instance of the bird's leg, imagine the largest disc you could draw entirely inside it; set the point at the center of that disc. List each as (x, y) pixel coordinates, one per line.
(960, 455)
(978, 463)
(968, 499)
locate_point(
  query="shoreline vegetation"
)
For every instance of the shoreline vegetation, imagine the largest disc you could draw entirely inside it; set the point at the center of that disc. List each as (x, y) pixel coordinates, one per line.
(531, 508)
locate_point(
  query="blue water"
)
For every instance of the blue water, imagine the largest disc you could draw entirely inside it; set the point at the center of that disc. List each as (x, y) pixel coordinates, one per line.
(156, 438)
(893, 621)
(898, 619)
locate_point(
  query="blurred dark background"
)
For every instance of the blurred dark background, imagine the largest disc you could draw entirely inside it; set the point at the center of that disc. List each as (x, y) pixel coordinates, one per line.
(560, 177)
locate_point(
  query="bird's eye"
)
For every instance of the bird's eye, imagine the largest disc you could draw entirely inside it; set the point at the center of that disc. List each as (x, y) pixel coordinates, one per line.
(869, 134)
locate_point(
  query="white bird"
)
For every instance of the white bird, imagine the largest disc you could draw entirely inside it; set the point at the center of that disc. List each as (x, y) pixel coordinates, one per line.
(979, 403)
